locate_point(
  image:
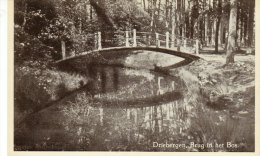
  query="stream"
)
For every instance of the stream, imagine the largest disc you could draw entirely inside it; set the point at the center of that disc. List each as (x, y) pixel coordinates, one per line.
(119, 109)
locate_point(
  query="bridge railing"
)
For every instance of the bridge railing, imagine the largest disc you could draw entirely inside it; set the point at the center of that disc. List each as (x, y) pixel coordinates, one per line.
(131, 38)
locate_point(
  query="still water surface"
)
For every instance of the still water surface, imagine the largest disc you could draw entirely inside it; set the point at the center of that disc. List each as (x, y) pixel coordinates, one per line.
(119, 109)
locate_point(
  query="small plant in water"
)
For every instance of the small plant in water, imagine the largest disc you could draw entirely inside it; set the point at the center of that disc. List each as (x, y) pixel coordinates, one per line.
(79, 110)
(78, 120)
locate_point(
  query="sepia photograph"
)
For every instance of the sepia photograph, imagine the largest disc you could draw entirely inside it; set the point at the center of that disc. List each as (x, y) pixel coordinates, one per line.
(134, 75)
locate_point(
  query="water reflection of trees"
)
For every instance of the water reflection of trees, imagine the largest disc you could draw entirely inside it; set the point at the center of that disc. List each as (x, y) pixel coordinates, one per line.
(100, 128)
(125, 129)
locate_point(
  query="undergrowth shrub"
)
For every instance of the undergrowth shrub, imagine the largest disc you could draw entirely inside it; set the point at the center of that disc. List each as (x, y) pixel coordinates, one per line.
(210, 127)
(35, 88)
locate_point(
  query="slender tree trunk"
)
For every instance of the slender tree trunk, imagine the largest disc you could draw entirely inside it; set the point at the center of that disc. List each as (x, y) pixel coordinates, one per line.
(251, 23)
(221, 30)
(217, 34)
(183, 19)
(241, 30)
(213, 26)
(148, 7)
(173, 21)
(232, 32)
(159, 10)
(237, 24)
(91, 13)
(155, 8)
(245, 30)
(152, 20)
(219, 8)
(24, 17)
(144, 5)
(166, 15)
(80, 20)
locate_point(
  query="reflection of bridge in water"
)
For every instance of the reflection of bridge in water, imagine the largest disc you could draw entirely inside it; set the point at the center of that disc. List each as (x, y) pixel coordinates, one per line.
(171, 116)
(130, 87)
(133, 40)
(124, 41)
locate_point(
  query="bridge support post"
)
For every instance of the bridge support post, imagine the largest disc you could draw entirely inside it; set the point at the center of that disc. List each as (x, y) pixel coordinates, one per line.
(99, 41)
(197, 47)
(126, 39)
(63, 50)
(134, 38)
(157, 39)
(167, 39)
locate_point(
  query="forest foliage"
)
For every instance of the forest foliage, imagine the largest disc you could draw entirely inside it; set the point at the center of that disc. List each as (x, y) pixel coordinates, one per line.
(41, 25)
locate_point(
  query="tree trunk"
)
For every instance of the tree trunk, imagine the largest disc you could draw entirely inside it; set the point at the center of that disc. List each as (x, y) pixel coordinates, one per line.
(241, 31)
(213, 32)
(232, 32)
(251, 23)
(101, 12)
(159, 10)
(148, 8)
(144, 5)
(245, 30)
(221, 30)
(166, 15)
(217, 34)
(183, 19)
(91, 13)
(152, 20)
(218, 24)
(173, 22)
(237, 24)
(24, 17)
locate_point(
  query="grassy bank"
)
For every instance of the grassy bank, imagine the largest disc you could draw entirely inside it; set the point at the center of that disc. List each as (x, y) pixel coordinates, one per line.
(35, 88)
(223, 102)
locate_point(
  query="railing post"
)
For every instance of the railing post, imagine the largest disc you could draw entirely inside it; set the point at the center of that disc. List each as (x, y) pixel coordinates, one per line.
(197, 47)
(135, 115)
(173, 85)
(63, 50)
(149, 40)
(185, 43)
(99, 41)
(167, 39)
(126, 39)
(157, 39)
(178, 42)
(134, 38)
(172, 41)
(128, 113)
(95, 41)
(101, 116)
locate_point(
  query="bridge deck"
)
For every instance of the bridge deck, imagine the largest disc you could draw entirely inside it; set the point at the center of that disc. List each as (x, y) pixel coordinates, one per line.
(188, 56)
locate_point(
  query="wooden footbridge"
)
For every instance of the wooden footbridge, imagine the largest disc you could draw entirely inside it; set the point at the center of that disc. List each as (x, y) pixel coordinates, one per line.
(133, 40)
